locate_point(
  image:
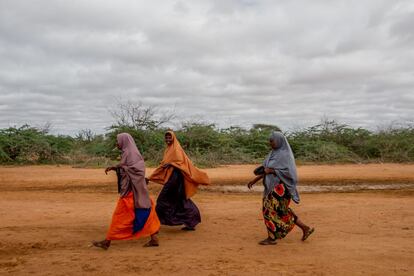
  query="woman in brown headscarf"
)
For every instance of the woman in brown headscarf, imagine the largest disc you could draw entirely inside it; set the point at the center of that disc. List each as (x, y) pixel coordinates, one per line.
(180, 179)
(135, 214)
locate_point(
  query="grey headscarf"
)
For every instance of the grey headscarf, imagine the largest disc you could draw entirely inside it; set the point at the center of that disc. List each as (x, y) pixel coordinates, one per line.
(282, 161)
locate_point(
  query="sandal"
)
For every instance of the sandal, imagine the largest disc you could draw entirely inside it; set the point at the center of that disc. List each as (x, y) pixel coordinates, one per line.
(152, 243)
(307, 234)
(187, 228)
(268, 242)
(101, 244)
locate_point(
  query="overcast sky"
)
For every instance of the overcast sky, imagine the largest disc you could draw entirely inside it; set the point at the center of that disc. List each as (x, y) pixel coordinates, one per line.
(233, 62)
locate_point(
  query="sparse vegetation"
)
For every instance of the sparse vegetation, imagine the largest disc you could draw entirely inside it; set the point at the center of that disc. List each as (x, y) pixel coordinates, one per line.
(207, 145)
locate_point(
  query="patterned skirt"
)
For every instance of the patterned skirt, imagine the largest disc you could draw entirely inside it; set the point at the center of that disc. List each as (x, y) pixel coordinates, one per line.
(278, 217)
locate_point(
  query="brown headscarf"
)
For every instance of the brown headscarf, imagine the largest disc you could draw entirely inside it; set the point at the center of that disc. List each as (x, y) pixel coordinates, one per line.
(132, 169)
(176, 157)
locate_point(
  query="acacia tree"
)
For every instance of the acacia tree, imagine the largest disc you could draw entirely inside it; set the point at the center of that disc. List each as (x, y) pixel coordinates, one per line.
(85, 135)
(145, 124)
(139, 116)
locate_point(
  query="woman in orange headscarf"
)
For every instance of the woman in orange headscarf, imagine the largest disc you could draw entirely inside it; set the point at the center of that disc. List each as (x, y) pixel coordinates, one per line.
(135, 214)
(180, 179)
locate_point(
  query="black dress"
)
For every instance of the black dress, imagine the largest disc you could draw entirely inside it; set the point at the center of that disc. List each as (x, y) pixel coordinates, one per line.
(172, 206)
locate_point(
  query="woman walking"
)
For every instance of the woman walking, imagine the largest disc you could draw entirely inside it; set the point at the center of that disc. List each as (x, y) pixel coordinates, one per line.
(279, 179)
(135, 215)
(180, 179)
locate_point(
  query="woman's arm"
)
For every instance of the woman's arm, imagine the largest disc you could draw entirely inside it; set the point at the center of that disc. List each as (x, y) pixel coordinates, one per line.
(251, 183)
(110, 169)
(269, 171)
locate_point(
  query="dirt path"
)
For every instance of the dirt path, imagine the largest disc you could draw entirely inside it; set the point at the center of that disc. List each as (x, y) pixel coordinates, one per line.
(48, 216)
(53, 177)
(47, 233)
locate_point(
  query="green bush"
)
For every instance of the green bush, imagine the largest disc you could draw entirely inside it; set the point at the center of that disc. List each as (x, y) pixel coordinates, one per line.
(323, 151)
(30, 145)
(209, 146)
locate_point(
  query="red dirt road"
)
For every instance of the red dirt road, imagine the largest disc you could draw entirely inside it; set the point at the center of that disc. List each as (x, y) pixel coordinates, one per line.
(48, 216)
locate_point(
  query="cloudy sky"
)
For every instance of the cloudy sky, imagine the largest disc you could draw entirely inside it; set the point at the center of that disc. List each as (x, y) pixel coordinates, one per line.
(233, 62)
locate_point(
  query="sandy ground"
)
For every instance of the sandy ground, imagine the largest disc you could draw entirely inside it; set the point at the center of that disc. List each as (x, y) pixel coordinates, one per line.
(59, 177)
(49, 215)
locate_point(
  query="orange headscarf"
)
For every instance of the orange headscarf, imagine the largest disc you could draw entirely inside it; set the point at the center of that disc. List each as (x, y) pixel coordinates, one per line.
(176, 157)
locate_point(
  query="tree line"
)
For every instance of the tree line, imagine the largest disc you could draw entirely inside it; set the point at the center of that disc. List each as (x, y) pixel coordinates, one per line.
(206, 144)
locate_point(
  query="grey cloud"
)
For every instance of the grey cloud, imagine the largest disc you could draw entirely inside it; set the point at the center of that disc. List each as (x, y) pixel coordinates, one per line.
(229, 62)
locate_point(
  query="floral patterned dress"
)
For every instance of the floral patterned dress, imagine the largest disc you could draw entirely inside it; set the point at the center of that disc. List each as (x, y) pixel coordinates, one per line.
(278, 217)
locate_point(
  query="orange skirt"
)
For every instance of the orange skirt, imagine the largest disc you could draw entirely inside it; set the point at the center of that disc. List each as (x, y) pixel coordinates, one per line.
(123, 218)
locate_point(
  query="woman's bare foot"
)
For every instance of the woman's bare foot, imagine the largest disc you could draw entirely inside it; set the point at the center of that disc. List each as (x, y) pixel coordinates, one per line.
(268, 241)
(307, 232)
(102, 244)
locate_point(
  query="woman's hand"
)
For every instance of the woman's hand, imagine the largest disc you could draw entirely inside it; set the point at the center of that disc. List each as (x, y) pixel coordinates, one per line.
(250, 184)
(269, 170)
(109, 169)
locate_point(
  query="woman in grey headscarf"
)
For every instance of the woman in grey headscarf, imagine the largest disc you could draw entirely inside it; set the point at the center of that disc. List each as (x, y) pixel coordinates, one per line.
(279, 179)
